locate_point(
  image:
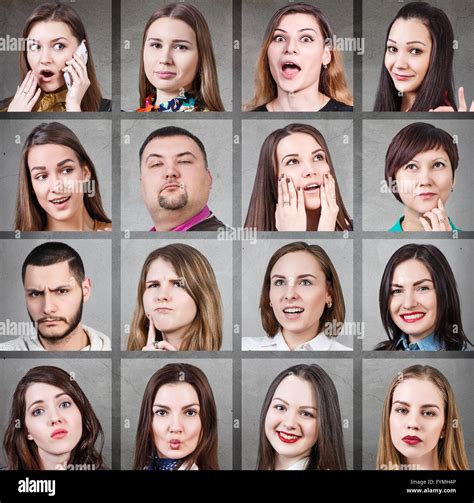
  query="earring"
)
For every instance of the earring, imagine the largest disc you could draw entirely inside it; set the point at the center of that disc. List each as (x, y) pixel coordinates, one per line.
(330, 304)
(29, 436)
(325, 66)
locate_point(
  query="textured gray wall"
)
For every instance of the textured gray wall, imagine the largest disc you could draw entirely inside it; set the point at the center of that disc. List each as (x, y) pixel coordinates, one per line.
(135, 216)
(93, 376)
(96, 138)
(254, 133)
(255, 18)
(135, 376)
(219, 255)
(376, 20)
(257, 375)
(377, 375)
(135, 14)
(97, 310)
(97, 20)
(380, 209)
(255, 259)
(376, 253)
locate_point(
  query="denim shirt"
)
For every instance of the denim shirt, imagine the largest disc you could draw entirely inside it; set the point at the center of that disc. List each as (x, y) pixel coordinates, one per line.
(429, 343)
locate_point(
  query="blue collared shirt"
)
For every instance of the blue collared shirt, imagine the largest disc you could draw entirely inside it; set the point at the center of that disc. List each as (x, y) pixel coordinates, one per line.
(397, 227)
(428, 343)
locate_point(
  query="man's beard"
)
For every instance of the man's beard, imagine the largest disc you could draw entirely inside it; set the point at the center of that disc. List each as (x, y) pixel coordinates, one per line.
(71, 325)
(173, 203)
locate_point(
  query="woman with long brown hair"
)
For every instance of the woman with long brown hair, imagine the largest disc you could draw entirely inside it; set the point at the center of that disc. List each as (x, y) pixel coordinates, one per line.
(58, 188)
(421, 428)
(298, 67)
(178, 304)
(295, 187)
(177, 66)
(55, 37)
(300, 422)
(52, 425)
(177, 427)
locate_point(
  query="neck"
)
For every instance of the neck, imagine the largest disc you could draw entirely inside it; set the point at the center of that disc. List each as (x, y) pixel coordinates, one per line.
(312, 219)
(164, 97)
(284, 462)
(429, 461)
(407, 101)
(293, 339)
(80, 221)
(410, 221)
(75, 341)
(51, 461)
(166, 220)
(175, 338)
(306, 100)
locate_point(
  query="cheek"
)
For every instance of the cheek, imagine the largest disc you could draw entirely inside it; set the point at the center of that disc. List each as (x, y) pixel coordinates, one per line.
(148, 300)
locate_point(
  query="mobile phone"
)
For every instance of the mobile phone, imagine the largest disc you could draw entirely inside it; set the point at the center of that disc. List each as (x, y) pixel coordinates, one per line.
(82, 53)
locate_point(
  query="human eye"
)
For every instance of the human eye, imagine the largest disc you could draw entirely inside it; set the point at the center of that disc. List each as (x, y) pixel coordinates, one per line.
(178, 283)
(157, 164)
(306, 282)
(62, 291)
(41, 176)
(185, 161)
(292, 160)
(278, 282)
(153, 284)
(279, 407)
(181, 47)
(67, 170)
(429, 413)
(424, 288)
(395, 291)
(37, 412)
(278, 38)
(191, 412)
(401, 410)
(306, 413)
(391, 49)
(411, 167)
(306, 38)
(33, 46)
(59, 46)
(415, 51)
(319, 157)
(65, 404)
(156, 45)
(439, 165)
(34, 294)
(160, 412)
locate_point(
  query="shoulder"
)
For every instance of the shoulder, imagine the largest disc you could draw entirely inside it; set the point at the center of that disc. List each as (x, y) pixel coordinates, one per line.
(257, 344)
(105, 105)
(336, 106)
(337, 346)
(397, 226)
(98, 340)
(210, 224)
(261, 108)
(18, 344)
(102, 226)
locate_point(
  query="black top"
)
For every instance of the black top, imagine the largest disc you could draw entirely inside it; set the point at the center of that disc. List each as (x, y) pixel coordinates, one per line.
(330, 106)
(210, 224)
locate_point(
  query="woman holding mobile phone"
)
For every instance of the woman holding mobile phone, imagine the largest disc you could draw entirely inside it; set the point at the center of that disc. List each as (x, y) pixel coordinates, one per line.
(56, 44)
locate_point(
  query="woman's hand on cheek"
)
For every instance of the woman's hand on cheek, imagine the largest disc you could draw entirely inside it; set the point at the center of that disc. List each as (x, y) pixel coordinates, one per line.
(329, 207)
(436, 219)
(462, 104)
(80, 83)
(290, 213)
(152, 344)
(27, 94)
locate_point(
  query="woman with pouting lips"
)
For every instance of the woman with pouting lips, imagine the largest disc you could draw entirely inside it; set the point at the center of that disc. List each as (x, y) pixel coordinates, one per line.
(58, 188)
(301, 304)
(298, 68)
(177, 427)
(54, 32)
(421, 428)
(417, 72)
(58, 428)
(295, 187)
(420, 169)
(178, 69)
(178, 303)
(300, 422)
(419, 302)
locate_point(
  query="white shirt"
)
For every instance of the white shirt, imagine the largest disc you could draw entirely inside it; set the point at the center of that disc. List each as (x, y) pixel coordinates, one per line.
(98, 342)
(320, 342)
(299, 465)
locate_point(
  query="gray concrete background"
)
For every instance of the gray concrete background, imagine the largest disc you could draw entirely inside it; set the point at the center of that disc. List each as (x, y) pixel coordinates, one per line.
(376, 253)
(134, 253)
(96, 138)
(97, 311)
(93, 376)
(135, 376)
(216, 136)
(380, 209)
(377, 16)
(254, 133)
(257, 15)
(135, 14)
(254, 264)
(97, 20)
(377, 375)
(257, 375)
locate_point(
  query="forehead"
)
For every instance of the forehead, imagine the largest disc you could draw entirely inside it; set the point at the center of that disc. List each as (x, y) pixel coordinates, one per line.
(410, 30)
(297, 263)
(172, 28)
(432, 154)
(297, 143)
(410, 271)
(295, 390)
(176, 394)
(49, 275)
(298, 21)
(415, 391)
(49, 30)
(41, 391)
(171, 146)
(160, 267)
(50, 154)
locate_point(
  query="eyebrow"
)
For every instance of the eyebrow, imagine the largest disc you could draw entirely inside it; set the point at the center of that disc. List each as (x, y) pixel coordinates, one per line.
(299, 276)
(178, 155)
(300, 407)
(59, 164)
(42, 401)
(297, 155)
(52, 40)
(408, 43)
(302, 29)
(169, 408)
(414, 284)
(174, 41)
(61, 287)
(408, 405)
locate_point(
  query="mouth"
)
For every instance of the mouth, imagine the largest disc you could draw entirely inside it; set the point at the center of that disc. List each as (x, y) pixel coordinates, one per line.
(287, 438)
(60, 202)
(171, 186)
(175, 444)
(412, 317)
(50, 321)
(163, 310)
(427, 195)
(411, 440)
(402, 77)
(312, 187)
(165, 75)
(58, 434)
(290, 69)
(46, 75)
(293, 312)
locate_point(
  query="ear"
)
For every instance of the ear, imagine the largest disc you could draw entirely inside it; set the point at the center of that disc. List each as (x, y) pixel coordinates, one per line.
(327, 57)
(209, 178)
(86, 289)
(87, 172)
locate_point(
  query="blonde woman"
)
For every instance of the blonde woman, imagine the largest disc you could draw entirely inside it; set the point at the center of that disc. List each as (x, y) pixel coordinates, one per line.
(298, 69)
(178, 303)
(421, 428)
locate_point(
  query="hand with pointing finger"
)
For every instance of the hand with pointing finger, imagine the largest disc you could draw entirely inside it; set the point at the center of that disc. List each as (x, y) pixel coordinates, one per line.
(152, 344)
(462, 104)
(436, 219)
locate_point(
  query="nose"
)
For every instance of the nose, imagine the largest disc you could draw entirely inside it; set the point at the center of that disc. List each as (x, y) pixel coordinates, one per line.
(171, 171)
(401, 61)
(55, 417)
(409, 299)
(291, 292)
(45, 56)
(49, 305)
(289, 421)
(162, 294)
(291, 47)
(412, 421)
(175, 425)
(308, 169)
(424, 176)
(165, 55)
